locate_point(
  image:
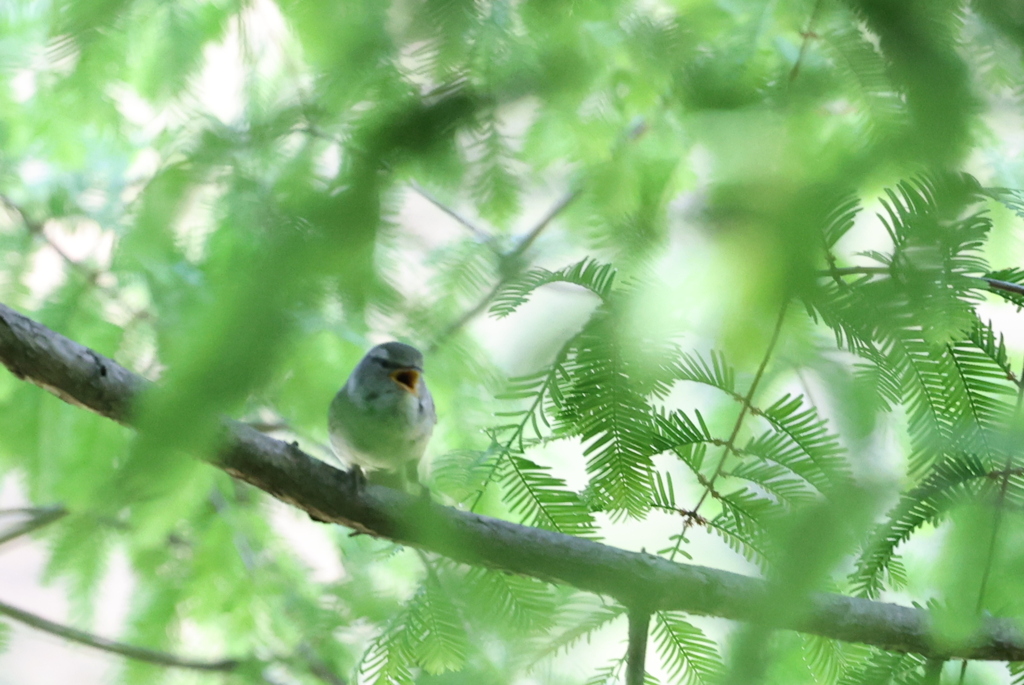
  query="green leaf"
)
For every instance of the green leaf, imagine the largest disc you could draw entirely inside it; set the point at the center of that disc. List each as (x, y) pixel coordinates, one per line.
(686, 653)
(514, 603)
(955, 480)
(803, 444)
(588, 273)
(579, 620)
(603, 406)
(882, 668)
(443, 643)
(543, 500)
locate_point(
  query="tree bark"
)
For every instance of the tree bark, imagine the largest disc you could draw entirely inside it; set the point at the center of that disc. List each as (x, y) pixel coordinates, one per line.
(88, 379)
(636, 652)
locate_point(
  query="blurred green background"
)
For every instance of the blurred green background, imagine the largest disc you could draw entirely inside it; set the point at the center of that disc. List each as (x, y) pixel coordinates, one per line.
(618, 230)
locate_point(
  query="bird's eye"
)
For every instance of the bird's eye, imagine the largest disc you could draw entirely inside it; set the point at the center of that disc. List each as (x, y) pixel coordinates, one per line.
(396, 366)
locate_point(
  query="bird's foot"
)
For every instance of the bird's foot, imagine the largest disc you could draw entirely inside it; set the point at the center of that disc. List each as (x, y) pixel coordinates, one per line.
(424, 497)
(424, 501)
(358, 478)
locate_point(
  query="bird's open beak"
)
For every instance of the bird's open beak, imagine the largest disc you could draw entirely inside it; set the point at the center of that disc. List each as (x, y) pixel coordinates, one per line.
(407, 378)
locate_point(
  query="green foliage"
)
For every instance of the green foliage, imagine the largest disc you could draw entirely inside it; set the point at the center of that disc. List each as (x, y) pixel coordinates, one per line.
(688, 655)
(885, 667)
(589, 273)
(231, 199)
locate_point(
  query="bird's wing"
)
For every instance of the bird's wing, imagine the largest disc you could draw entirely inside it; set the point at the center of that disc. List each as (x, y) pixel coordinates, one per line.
(429, 409)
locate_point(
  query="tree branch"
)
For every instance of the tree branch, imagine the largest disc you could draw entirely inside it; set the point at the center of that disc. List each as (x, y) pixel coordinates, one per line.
(511, 262)
(38, 228)
(85, 378)
(991, 283)
(511, 266)
(636, 652)
(748, 399)
(807, 34)
(41, 516)
(478, 233)
(132, 652)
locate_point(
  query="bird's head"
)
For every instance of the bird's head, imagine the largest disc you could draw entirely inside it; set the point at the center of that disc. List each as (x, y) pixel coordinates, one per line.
(401, 363)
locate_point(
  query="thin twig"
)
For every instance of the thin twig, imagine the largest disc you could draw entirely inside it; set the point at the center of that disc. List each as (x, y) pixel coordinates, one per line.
(510, 258)
(730, 444)
(26, 511)
(1005, 286)
(480, 234)
(807, 34)
(131, 651)
(42, 516)
(692, 516)
(855, 271)
(560, 205)
(468, 315)
(992, 283)
(38, 228)
(93, 276)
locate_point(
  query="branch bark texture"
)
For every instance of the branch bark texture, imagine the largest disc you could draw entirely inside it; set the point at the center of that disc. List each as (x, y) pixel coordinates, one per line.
(636, 652)
(86, 378)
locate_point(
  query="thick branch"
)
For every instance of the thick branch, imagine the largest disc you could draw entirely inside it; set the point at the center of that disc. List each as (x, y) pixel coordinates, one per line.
(85, 378)
(130, 651)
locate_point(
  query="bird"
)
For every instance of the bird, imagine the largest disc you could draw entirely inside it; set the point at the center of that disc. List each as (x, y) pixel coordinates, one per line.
(382, 418)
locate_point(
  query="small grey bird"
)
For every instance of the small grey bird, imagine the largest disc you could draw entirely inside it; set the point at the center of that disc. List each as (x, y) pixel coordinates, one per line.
(382, 418)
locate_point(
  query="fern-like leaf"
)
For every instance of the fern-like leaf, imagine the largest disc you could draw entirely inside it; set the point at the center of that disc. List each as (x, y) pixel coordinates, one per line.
(542, 500)
(675, 431)
(715, 373)
(515, 602)
(1016, 669)
(427, 632)
(390, 658)
(443, 643)
(589, 274)
(605, 409)
(494, 186)
(785, 488)
(830, 660)
(581, 619)
(951, 482)
(808, 448)
(885, 668)
(689, 656)
(840, 219)
(741, 523)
